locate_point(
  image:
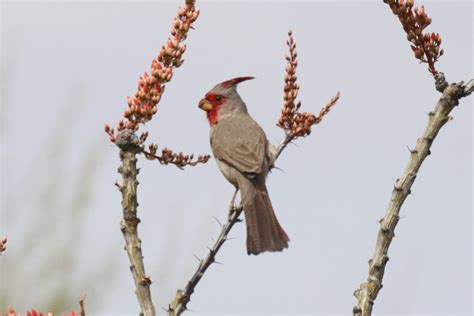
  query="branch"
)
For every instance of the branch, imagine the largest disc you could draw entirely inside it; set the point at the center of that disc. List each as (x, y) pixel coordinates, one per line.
(128, 144)
(368, 291)
(182, 298)
(295, 124)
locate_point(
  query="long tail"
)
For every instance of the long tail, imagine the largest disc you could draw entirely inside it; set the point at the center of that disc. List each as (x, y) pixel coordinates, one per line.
(264, 233)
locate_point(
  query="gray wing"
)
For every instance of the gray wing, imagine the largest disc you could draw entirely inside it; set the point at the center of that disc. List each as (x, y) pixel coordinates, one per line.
(240, 142)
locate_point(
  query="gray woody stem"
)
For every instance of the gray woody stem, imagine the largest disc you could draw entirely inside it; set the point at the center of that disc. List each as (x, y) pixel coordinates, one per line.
(182, 298)
(128, 144)
(368, 291)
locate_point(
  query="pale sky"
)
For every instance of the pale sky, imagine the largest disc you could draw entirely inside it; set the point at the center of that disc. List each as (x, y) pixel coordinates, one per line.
(67, 68)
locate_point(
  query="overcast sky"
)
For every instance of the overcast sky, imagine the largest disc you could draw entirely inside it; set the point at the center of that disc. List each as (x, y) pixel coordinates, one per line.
(67, 68)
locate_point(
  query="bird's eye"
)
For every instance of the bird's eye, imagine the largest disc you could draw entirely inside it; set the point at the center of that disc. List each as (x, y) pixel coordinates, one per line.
(218, 98)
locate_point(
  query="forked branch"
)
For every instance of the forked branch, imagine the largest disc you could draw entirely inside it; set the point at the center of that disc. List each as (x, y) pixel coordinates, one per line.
(141, 109)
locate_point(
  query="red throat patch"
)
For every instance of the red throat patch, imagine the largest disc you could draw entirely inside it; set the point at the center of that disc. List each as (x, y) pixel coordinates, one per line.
(212, 116)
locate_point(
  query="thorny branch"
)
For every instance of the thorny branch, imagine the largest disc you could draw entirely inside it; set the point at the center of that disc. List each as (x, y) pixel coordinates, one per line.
(368, 291)
(295, 124)
(182, 298)
(426, 49)
(127, 142)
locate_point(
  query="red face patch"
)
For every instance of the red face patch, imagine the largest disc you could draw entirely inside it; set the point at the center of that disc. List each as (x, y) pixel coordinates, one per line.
(216, 100)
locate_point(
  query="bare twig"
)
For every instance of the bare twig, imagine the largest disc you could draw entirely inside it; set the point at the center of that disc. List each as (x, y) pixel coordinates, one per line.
(368, 291)
(182, 298)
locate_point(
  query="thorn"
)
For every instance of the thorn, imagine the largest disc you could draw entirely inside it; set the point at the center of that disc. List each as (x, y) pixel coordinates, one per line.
(197, 258)
(217, 220)
(217, 262)
(275, 167)
(119, 187)
(412, 151)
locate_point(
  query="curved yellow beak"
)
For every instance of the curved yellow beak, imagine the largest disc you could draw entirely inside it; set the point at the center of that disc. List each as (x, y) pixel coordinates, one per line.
(205, 105)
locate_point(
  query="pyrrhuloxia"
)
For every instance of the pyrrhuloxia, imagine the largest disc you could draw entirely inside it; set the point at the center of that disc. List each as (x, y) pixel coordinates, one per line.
(244, 156)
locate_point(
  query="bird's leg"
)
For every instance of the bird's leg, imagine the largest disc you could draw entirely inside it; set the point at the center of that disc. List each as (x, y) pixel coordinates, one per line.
(232, 205)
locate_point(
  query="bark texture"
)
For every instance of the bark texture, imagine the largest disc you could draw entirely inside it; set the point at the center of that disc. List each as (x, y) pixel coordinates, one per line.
(128, 144)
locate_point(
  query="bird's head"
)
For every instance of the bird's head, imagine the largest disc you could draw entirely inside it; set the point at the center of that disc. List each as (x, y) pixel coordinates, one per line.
(223, 100)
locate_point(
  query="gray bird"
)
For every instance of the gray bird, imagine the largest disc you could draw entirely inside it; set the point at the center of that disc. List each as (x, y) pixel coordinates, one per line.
(244, 156)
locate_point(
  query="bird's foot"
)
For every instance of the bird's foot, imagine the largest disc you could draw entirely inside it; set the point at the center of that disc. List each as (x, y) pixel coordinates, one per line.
(232, 210)
(232, 201)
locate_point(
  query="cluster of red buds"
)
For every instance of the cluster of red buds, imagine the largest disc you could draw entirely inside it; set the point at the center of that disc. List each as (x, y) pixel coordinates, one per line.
(169, 157)
(425, 46)
(35, 313)
(143, 104)
(297, 123)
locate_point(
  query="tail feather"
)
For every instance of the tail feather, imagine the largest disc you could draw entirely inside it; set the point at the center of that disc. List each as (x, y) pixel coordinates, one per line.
(264, 232)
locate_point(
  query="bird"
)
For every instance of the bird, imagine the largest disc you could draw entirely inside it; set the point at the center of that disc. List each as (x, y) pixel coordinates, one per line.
(245, 157)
